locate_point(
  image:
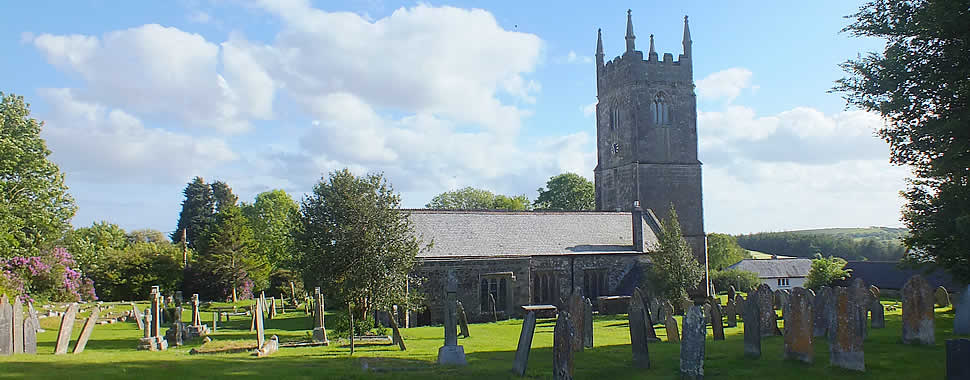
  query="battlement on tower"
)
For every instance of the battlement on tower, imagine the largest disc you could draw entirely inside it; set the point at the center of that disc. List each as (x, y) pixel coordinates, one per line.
(631, 68)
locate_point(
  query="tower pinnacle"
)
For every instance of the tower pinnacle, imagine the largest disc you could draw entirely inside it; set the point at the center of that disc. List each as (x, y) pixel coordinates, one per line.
(687, 41)
(599, 48)
(629, 31)
(652, 55)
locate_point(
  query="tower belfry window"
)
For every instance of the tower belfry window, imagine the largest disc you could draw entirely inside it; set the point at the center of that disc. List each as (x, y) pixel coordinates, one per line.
(661, 110)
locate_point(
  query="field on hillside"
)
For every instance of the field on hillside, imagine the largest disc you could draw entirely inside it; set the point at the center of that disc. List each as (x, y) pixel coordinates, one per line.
(490, 351)
(872, 243)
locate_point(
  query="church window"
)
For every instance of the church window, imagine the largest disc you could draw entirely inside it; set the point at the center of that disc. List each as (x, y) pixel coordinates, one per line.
(595, 283)
(614, 118)
(545, 288)
(661, 110)
(495, 285)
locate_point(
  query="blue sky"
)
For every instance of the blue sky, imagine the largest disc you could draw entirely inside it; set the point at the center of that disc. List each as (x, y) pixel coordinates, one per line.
(139, 97)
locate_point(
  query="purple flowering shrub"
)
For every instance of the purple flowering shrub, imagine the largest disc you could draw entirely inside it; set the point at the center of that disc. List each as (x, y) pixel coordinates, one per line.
(52, 276)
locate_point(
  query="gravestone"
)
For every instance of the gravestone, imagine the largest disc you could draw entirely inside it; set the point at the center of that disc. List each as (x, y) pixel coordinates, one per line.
(396, 333)
(692, 346)
(451, 353)
(525, 344)
(874, 290)
(670, 324)
(942, 297)
(272, 308)
(271, 346)
(86, 331)
(562, 348)
(576, 306)
(862, 298)
(765, 298)
(293, 295)
(717, 324)
(492, 308)
(196, 318)
(739, 304)
(588, 324)
(258, 323)
(918, 318)
(139, 318)
(844, 332)
(18, 326)
(731, 311)
(196, 328)
(64, 333)
(732, 292)
(31, 324)
(462, 320)
(647, 322)
(638, 333)
(6, 326)
(319, 325)
(752, 328)
(878, 318)
(798, 327)
(820, 311)
(961, 322)
(215, 321)
(957, 365)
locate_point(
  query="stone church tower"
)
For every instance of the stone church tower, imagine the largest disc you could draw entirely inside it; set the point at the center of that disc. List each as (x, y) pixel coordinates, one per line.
(646, 135)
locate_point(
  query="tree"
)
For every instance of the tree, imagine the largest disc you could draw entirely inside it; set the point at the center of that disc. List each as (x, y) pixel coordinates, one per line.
(273, 218)
(723, 250)
(742, 280)
(222, 195)
(356, 243)
(568, 192)
(229, 261)
(825, 271)
(470, 198)
(197, 212)
(920, 84)
(35, 208)
(130, 272)
(89, 245)
(674, 270)
(146, 235)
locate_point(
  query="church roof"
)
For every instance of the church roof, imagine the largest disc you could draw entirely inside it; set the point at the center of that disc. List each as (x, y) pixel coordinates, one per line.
(775, 268)
(461, 233)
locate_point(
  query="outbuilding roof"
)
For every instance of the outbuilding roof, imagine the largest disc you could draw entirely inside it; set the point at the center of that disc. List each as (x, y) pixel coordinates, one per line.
(891, 275)
(460, 233)
(775, 268)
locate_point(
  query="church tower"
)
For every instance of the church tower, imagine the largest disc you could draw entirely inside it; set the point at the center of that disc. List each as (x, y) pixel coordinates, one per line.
(646, 135)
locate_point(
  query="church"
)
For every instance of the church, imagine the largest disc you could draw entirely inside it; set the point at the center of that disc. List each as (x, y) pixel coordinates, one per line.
(646, 142)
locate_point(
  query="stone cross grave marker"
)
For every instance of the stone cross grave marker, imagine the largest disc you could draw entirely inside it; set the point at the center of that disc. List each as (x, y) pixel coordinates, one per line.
(942, 297)
(525, 344)
(752, 327)
(64, 333)
(918, 317)
(562, 348)
(196, 318)
(638, 333)
(845, 335)
(670, 324)
(957, 365)
(86, 331)
(319, 327)
(820, 311)
(18, 326)
(798, 327)
(765, 299)
(6, 326)
(451, 353)
(717, 324)
(961, 323)
(874, 290)
(588, 324)
(692, 345)
(576, 318)
(462, 320)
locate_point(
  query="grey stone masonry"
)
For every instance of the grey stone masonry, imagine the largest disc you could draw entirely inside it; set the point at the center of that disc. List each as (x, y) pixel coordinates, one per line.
(798, 327)
(918, 316)
(271, 346)
(87, 330)
(64, 333)
(957, 365)
(6, 326)
(878, 319)
(638, 333)
(961, 323)
(692, 345)
(820, 311)
(752, 328)
(196, 318)
(844, 332)
(862, 298)
(525, 344)
(562, 348)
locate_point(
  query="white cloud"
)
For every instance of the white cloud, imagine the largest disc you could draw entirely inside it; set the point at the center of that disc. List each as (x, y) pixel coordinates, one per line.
(200, 17)
(572, 57)
(725, 84)
(158, 70)
(589, 109)
(97, 143)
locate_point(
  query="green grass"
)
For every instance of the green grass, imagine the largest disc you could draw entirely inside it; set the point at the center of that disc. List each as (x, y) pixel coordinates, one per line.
(490, 351)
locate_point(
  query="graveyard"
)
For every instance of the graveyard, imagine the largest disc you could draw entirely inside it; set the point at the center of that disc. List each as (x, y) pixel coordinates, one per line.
(489, 349)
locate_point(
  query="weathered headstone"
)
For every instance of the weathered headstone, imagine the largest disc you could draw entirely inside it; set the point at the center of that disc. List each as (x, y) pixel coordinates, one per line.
(396, 333)
(798, 327)
(957, 365)
(215, 321)
(878, 312)
(64, 333)
(562, 348)
(862, 298)
(588, 324)
(647, 321)
(462, 320)
(752, 328)
(260, 334)
(319, 326)
(732, 292)
(576, 306)
(823, 301)
(717, 324)
(492, 308)
(844, 332)
(638, 333)
(451, 353)
(6, 326)
(272, 308)
(942, 297)
(692, 346)
(875, 291)
(765, 298)
(961, 322)
(86, 331)
(18, 326)
(731, 311)
(31, 324)
(525, 344)
(918, 317)
(739, 305)
(670, 324)
(139, 318)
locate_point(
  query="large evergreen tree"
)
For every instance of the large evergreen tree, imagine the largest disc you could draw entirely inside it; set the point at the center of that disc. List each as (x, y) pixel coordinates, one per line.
(920, 84)
(35, 208)
(198, 211)
(229, 261)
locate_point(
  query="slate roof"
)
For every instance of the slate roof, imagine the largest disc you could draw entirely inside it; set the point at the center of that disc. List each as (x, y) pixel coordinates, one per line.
(459, 233)
(888, 275)
(775, 268)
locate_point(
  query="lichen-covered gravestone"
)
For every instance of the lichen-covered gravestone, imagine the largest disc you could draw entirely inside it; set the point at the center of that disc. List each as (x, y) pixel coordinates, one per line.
(821, 311)
(942, 297)
(765, 298)
(798, 327)
(588, 324)
(670, 324)
(918, 318)
(862, 298)
(525, 344)
(692, 345)
(961, 323)
(64, 333)
(845, 336)
(638, 333)
(752, 328)
(562, 350)
(86, 331)
(576, 314)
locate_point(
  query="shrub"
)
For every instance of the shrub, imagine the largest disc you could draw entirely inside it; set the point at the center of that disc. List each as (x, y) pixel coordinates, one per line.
(51, 276)
(825, 271)
(743, 281)
(340, 323)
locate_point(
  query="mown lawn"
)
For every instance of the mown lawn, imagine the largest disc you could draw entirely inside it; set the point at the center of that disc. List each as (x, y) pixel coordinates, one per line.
(490, 350)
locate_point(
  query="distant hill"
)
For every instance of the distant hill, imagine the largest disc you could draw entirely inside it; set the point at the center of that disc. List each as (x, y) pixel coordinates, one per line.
(872, 243)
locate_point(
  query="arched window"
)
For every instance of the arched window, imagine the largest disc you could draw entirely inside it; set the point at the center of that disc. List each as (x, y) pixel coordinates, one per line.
(661, 110)
(614, 118)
